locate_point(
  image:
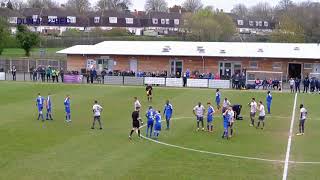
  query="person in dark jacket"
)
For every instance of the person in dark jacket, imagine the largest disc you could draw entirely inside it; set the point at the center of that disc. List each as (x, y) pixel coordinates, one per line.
(297, 82)
(62, 74)
(313, 85)
(103, 74)
(306, 83)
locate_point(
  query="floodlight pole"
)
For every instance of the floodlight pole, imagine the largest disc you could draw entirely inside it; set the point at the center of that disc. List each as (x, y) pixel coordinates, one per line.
(203, 68)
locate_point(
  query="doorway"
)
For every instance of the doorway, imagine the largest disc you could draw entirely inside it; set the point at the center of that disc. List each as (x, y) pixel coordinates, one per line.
(227, 69)
(133, 65)
(176, 68)
(294, 70)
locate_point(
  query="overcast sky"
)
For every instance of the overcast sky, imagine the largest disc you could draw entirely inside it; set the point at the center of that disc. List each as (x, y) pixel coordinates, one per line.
(226, 5)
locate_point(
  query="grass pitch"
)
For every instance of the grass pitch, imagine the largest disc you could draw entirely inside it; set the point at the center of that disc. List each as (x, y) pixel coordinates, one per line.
(32, 150)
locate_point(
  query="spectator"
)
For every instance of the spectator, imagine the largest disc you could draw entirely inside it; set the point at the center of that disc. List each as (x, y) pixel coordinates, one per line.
(48, 73)
(276, 83)
(291, 83)
(14, 73)
(297, 84)
(306, 84)
(34, 73)
(31, 73)
(57, 75)
(103, 74)
(257, 83)
(265, 84)
(62, 74)
(185, 79)
(53, 74)
(43, 74)
(312, 85)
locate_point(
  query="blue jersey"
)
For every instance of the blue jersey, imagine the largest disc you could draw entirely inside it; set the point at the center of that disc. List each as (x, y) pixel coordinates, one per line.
(168, 109)
(150, 114)
(158, 122)
(218, 96)
(40, 101)
(269, 98)
(67, 105)
(210, 114)
(49, 104)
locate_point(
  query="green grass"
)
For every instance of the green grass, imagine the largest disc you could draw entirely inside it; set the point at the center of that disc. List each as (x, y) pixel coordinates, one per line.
(17, 52)
(32, 150)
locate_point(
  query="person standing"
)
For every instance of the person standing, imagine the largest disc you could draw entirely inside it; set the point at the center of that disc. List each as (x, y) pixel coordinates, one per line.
(303, 117)
(53, 74)
(297, 84)
(231, 118)
(269, 101)
(225, 105)
(262, 114)
(157, 126)
(210, 117)
(253, 110)
(167, 112)
(199, 111)
(39, 104)
(135, 123)
(57, 75)
(291, 83)
(137, 104)
(218, 98)
(48, 73)
(14, 73)
(67, 105)
(97, 109)
(103, 74)
(226, 123)
(62, 74)
(34, 73)
(149, 92)
(49, 107)
(306, 84)
(150, 120)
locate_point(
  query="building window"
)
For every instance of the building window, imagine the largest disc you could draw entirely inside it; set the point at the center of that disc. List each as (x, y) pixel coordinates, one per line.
(240, 22)
(129, 20)
(251, 23)
(266, 24)
(52, 19)
(253, 64)
(154, 21)
(167, 21)
(176, 21)
(308, 66)
(163, 21)
(96, 20)
(113, 20)
(277, 66)
(71, 19)
(13, 20)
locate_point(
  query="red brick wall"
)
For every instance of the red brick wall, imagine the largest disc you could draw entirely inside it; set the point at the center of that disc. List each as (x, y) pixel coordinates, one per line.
(162, 63)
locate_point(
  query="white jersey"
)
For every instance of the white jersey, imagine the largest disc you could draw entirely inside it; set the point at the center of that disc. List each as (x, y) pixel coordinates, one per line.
(303, 113)
(253, 107)
(97, 110)
(137, 105)
(262, 111)
(226, 103)
(231, 114)
(291, 82)
(199, 110)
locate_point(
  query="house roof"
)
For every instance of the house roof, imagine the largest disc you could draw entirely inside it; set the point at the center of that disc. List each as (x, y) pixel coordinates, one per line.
(198, 49)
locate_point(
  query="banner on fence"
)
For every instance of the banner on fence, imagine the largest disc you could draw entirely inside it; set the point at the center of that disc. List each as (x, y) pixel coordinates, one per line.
(174, 82)
(2, 76)
(155, 80)
(222, 84)
(197, 83)
(72, 78)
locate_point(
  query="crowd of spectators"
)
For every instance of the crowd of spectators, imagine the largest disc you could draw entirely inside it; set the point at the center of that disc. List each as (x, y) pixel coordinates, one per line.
(46, 73)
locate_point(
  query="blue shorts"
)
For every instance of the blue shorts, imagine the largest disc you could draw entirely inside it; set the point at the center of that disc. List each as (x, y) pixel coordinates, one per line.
(49, 110)
(68, 110)
(218, 101)
(157, 127)
(209, 119)
(150, 123)
(40, 108)
(225, 124)
(168, 117)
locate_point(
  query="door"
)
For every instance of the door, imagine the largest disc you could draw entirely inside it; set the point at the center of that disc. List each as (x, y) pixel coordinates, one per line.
(237, 68)
(133, 65)
(176, 68)
(294, 70)
(316, 68)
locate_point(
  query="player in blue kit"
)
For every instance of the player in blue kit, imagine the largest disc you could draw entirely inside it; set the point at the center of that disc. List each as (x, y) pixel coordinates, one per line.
(167, 112)
(150, 120)
(269, 101)
(39, 104)
(67, 108)
(49, 108)
(218, 98)
(210, 117)
(226, 123)
(157, 126)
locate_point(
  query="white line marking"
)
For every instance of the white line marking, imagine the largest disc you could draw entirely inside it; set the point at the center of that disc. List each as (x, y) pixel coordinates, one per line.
(286, 162)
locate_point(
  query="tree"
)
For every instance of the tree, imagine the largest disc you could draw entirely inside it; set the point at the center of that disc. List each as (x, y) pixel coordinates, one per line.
(9, 5)
(18, 4)
(118, 5)
(240, 10)
(262, 10)
(26, 39)
(156, 5)
(284, 5)
(192, 5)
(79, 6)
(208, 25)
(42, 4)
(4, 33)
(288, 31)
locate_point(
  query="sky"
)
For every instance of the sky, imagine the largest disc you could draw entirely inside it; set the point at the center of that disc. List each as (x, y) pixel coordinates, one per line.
(226, 5)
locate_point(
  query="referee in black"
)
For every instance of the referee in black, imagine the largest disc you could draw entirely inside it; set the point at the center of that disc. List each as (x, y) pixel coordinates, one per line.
(135, 122)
